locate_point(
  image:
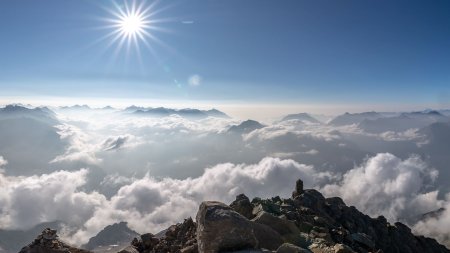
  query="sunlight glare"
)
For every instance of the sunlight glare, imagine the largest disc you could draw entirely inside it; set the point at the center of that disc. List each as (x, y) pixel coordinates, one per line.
(132, 24)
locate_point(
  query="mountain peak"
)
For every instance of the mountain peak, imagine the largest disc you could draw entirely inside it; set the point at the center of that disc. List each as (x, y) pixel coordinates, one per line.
(245, 127)
(115, 234)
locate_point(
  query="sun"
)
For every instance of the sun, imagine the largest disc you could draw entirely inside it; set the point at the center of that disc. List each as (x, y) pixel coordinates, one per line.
(132, 24)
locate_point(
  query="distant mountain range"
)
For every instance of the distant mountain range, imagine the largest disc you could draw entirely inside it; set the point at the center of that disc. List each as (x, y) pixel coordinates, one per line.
(41, 114)
(402, 122)
(186, 113)
(354, 118)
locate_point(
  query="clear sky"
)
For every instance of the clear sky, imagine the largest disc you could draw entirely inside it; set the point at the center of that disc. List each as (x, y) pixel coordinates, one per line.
(318, 52)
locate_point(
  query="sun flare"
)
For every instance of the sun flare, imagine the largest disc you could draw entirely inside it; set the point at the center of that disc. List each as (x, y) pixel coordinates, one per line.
(132, 24)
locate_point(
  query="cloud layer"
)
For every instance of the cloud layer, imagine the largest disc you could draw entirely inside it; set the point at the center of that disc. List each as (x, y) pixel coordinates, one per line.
(383, 185)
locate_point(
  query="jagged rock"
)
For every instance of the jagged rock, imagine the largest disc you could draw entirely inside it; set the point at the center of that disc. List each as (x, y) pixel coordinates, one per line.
(177, 238)
(290, 248)
(243, 206)
(47, 242)
(149, 240)
(220, 228)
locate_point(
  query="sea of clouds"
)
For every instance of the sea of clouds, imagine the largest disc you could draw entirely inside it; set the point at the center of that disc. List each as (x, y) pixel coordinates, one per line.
(154, 172)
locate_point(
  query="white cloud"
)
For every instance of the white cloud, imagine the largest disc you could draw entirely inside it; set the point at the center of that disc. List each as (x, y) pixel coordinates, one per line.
(195, 80)
(386, 185)
(80, 148)
(27, 201)
(436, 227)
(408, 135)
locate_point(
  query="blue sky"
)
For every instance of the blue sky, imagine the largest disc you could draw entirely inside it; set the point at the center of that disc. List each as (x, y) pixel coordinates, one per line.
(266, 52)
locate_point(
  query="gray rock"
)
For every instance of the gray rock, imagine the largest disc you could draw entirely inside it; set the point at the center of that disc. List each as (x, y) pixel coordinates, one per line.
(149, 240)
(290, 248)
(243, 206)
(220, 228)
(363, 239)
(282, 226)
(266, 236)
(190, 249)
(129, 249)
(342, 248)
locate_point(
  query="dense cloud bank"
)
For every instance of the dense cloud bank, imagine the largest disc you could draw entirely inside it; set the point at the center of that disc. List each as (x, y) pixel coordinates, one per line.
(383, 185)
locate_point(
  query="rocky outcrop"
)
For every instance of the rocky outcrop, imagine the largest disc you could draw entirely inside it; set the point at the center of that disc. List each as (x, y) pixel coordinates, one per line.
(48, 242)
(306, 222)
(179, 238)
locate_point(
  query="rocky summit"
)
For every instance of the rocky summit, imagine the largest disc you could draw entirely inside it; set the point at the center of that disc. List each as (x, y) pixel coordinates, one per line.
(306, 222)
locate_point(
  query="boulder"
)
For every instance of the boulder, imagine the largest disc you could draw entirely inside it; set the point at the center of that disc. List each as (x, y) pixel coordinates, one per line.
(282, 226)
(266, 236)
(220, 228)
(243, 206)
(129, 249)
(290, 248)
